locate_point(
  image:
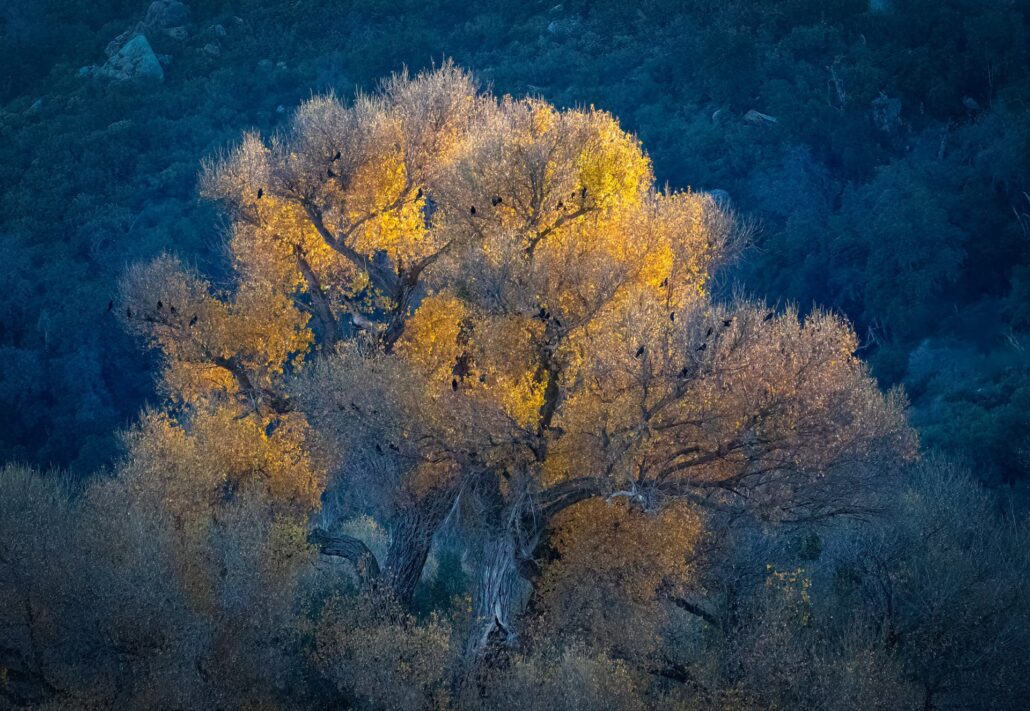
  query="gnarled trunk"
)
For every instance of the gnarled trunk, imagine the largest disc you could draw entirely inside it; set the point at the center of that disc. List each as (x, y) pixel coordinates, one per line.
(412, 538)
(496, 597)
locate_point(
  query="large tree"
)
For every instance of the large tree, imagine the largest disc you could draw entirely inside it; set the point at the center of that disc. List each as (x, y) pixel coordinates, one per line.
(460, 309)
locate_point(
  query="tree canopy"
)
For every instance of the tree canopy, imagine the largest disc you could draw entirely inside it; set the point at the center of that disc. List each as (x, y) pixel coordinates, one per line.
(487, 313)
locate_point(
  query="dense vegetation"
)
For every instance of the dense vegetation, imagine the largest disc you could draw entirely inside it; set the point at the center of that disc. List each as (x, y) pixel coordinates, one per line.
(469, 401)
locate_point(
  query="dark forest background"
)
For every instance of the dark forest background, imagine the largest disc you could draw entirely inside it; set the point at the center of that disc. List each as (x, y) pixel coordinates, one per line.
(885, 158)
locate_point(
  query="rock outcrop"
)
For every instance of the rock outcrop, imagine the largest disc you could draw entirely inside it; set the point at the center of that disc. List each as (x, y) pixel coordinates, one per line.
(134, 60)
(164, 15)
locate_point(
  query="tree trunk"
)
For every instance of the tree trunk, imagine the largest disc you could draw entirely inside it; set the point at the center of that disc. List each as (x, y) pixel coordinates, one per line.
(496, 596)
(412, 538)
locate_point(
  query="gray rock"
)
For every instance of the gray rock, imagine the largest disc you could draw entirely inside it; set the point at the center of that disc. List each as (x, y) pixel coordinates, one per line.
(166, 14)
(760, 119)
(135, 60)
(118, 42)
(886, 113)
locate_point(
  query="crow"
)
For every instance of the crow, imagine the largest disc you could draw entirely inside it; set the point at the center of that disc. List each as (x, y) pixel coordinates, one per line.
(128, 313)
(110, 305)
(172, 309)
(583, 193)
(159, 305)
(640, 351)
(709, 333)
(672, 316)
(379, 450)
(329, 172)
(665, 282)
(768, 317)
(560, 205)
(418, 195)
(684, 372)
(393, 446)
(702, 347)
(726, 322)
(472, 210)
(193, 321)
(496, 200)
(336, 157)
(261, 193)
(454, 384)
(542, 314)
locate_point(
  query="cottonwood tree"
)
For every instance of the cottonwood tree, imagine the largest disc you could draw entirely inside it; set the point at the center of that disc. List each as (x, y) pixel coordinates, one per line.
(483, 311)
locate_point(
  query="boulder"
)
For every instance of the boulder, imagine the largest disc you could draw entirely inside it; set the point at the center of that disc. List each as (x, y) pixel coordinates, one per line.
(759, 119)
(166, 14)
(886, 113)
(118, 42)
(135, 60)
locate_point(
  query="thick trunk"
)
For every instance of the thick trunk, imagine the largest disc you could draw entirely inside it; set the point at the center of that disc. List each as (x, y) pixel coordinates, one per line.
(406, 558)
(496, 598)
(411, 541)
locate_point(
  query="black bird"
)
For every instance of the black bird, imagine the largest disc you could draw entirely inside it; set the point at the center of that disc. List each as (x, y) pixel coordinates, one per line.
(560, 205)
(640, 351)
(672, 316)
(583, 193)
(542, 314)
(702, 347)
(418, 195)
(454, 384)
(472, 210)
(379, 450)
(709, 333)
(172, 309)
(665, 282)
(394, 447)
(557, 323)
(193, 321)
(355, 408)
(261, 193)
(496, 200)
(684, 372)
(110, 305)
(336, 157)
(330, 173)
(128, 313)
(768, 317)
(726, 322)
(159, 305)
